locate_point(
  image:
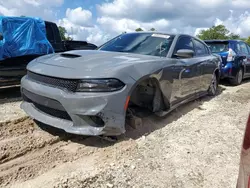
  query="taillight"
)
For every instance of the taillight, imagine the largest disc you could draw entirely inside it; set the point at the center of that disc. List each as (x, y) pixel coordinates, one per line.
(231, 54)
(246, 141)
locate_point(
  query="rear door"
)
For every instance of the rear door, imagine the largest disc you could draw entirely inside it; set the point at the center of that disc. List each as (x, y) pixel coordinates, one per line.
(245, 56)
(190, 72)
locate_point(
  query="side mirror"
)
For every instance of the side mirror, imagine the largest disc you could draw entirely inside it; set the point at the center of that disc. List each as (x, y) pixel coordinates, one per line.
(184, 53)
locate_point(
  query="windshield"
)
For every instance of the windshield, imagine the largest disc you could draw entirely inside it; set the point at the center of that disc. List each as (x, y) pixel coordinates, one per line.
(140, 43)
(217, 47)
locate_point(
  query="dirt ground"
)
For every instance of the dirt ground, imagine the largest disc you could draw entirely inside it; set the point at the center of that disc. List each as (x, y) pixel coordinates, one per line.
(10, 100)
(197, 145)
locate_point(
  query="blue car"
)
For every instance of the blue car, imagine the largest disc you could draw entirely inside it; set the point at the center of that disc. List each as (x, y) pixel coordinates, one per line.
(235, 55)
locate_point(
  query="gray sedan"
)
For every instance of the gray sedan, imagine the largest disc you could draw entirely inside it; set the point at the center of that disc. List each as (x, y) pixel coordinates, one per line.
(90, 92)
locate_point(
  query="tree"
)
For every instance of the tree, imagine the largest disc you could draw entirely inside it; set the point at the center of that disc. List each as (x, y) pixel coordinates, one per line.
(217, 32)
(63, 33)
(152, 29)
(234, 36)
(248, 40)
(139, 29)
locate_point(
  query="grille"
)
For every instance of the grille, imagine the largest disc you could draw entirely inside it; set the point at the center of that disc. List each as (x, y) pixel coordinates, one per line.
(67, 84)
(47, 110)
(53, 112)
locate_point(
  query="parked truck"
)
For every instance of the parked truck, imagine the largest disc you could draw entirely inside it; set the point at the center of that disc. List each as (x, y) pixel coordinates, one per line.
(23, 39)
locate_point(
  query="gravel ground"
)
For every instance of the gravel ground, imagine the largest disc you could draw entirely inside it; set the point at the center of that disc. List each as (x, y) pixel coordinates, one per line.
(197, 145)
(10, 104)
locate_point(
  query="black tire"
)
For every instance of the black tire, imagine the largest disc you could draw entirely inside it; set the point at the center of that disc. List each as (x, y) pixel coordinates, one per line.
(213, 88)
(238, 78)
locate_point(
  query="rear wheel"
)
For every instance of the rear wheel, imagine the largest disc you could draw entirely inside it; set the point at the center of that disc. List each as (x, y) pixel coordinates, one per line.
(213, 88)
(238, 79)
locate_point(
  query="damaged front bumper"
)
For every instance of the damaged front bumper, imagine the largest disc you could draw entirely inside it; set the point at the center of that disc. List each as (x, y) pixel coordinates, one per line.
(77, 113)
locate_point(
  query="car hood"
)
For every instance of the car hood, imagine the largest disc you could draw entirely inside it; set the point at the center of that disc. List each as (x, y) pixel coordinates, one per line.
(87, 63)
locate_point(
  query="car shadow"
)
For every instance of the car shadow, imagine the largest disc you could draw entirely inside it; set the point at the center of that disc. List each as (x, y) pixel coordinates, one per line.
(11, 94)
(150, 124)
(80, 139)
(225, 82)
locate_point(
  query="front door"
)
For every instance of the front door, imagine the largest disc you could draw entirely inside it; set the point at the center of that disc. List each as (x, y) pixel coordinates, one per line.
(205, 64)
(189, 70)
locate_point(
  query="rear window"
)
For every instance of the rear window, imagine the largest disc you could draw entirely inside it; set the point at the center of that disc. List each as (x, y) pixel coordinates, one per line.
(216, 47)
(49, 33)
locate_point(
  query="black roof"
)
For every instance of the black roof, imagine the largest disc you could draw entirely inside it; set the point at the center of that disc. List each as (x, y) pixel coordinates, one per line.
(218, 40)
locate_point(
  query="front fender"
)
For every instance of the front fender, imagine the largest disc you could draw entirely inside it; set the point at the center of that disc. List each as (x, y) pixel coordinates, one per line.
(164, 86)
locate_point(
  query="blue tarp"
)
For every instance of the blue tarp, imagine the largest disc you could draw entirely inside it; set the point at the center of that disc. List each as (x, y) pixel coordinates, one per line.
(23, 36)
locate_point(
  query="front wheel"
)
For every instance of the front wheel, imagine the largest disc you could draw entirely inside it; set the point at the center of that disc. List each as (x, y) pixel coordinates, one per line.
(238, 78)
(213, 88)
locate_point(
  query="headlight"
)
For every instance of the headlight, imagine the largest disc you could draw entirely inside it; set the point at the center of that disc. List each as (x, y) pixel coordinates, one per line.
(99, 85)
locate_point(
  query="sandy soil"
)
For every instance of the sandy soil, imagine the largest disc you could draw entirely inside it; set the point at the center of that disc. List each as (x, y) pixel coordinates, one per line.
(10, 100)
(197, 145)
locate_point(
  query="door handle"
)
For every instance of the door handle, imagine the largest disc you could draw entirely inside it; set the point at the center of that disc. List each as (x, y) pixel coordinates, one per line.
(180, 74)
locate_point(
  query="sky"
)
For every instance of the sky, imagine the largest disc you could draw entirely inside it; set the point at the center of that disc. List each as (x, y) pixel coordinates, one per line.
(97, 21)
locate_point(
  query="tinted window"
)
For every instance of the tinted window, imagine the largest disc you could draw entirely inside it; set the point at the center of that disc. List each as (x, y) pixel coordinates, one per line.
(208, 50)
(242, 47)
(217, 47)
(248, 48)
(200, 48)
(140, 43)
(49, 33)
(56, 32)
(184, 43)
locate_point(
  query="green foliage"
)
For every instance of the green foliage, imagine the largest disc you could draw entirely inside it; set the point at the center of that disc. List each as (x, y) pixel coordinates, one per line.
(217, 32)
(152, 29)
(234, 36)
(63, 33)
(248, 40)
(139, 29)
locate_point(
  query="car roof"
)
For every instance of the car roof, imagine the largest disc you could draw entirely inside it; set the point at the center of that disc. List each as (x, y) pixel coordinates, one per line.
(150, 32)
(177, 35)
(218, 40)
(162, 33)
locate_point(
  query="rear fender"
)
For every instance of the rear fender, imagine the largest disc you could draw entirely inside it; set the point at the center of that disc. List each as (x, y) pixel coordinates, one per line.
(240, 63)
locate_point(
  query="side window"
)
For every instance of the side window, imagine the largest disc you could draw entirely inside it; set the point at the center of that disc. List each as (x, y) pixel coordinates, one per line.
(200, 48)
(184, 43)
(248, 47)
(242, 48)
(207, 50)
(49, 33)
(56, 32)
